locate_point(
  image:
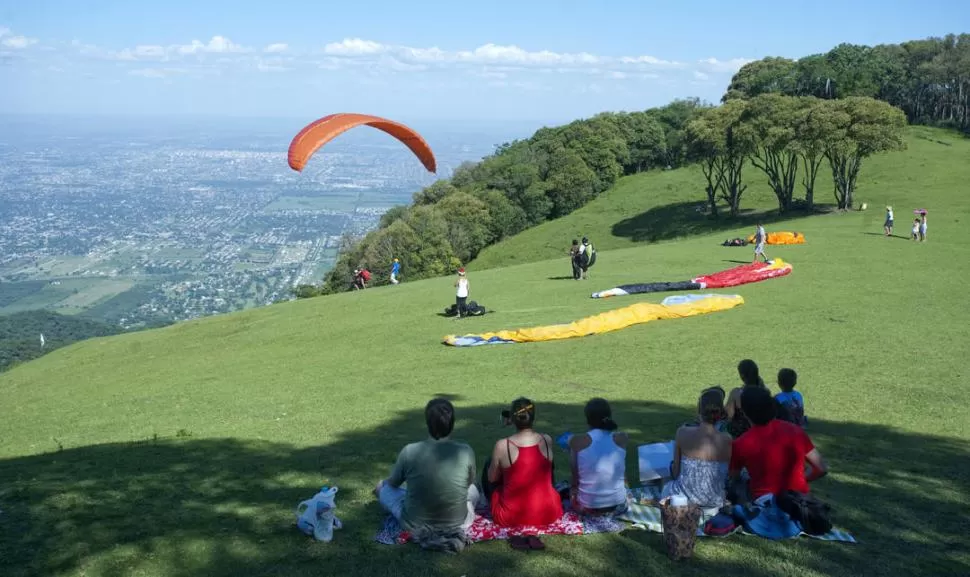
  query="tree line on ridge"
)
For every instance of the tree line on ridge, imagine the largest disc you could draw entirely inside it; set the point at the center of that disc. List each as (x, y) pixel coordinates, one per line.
(787, 119)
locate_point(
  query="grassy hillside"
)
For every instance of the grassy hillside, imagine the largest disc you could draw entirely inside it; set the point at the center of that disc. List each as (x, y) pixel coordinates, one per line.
(183, 450)
(661, 206)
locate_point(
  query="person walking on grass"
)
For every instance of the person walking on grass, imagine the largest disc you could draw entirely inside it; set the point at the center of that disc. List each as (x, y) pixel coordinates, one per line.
(760, 238)
(461, 294)
(922, 226)
(888, 226)
(395, 271)
(574, 255)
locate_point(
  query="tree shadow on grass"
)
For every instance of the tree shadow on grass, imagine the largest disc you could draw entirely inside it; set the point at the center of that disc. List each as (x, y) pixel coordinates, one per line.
(684, 219)
(221, 507)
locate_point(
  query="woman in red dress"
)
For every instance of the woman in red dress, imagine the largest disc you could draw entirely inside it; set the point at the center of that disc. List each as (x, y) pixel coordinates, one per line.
(518, 479)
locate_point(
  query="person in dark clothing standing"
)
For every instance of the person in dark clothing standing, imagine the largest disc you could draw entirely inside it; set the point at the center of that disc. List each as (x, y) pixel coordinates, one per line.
(574, 257)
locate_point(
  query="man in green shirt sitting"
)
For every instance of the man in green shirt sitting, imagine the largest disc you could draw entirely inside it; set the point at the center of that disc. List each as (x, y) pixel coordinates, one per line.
(438, 495)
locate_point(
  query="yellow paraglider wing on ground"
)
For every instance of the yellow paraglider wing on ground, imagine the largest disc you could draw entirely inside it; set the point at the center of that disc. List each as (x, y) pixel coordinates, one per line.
(602, 323)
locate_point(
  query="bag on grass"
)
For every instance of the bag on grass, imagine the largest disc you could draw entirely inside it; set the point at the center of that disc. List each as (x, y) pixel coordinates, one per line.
(679, 529)
(813, 515)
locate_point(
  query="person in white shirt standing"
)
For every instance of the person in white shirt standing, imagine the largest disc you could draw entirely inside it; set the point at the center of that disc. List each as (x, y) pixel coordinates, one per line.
(888, 226)
(461, 294)
(760, 238)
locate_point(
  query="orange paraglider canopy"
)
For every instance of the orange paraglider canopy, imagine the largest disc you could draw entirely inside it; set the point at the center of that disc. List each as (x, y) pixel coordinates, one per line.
(322, 131)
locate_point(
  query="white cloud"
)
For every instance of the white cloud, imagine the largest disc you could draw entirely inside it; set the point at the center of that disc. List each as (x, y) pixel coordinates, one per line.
(515, 57)
(216, 44)
(158, 53)
(651, 61)
(353, 47)
(271, 65)
(732, 65)
(156, 72)
(492, 60)
(15, 42)
(18, 42)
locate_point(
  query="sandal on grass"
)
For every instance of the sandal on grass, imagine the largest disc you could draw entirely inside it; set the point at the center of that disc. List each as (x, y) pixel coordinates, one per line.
(519, 543)
(536, 543)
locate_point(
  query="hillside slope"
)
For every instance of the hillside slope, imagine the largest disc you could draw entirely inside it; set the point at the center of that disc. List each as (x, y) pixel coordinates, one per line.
(213, 430)
(661, 206)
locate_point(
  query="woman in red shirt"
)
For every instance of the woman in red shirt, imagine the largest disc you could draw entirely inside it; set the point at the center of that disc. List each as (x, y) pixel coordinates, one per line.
(518, 479)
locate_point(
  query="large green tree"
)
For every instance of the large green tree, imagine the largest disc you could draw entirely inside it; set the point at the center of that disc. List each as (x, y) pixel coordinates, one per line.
(812, 126)
(860, 127)
(718, 142)
(772, 74)
(768, 125)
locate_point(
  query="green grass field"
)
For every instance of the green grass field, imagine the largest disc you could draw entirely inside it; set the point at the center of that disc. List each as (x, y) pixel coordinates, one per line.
(184, 450)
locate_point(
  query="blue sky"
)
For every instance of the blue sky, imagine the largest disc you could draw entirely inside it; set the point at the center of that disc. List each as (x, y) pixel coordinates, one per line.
(523, 60)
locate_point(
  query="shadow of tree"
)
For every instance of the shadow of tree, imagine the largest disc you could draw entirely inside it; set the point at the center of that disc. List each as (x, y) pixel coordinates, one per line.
(220, 507)
(685, 219)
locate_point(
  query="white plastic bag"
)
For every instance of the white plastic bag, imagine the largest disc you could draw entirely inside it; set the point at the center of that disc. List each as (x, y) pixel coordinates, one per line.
(316, 516)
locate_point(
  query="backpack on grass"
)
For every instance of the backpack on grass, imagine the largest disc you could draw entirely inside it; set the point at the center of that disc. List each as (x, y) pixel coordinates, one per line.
(812, 514)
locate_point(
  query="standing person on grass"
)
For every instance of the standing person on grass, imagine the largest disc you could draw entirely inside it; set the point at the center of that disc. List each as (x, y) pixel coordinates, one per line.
(888, 226)
(395, 271)
(760, 238)
(461, 294)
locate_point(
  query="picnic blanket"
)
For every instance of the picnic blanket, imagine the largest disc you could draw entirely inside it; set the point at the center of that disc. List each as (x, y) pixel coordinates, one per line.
(484, 529)
(643, 514)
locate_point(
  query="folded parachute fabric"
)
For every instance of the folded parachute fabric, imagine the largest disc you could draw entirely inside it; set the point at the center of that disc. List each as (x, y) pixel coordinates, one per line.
(738, 275)
(782, 238)
(604, 322)
(744, 274)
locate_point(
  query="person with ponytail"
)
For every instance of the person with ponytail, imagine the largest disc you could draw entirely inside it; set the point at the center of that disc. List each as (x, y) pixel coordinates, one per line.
(598, 462)
(750, 376)
(701, 455)
(518, 478)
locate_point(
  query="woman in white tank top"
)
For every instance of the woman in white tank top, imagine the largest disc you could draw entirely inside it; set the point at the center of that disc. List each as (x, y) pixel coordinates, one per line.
(598, 460)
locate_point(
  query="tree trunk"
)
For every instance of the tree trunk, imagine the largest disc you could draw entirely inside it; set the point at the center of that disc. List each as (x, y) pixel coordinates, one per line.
(732, 189)
(780, 167)
(713, 171)
(811, 163)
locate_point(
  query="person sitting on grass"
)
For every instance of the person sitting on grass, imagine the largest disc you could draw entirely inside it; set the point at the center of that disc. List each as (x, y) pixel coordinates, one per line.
(790, 398)
(774, 452)
(701, 455)
(431, 490)
(598, 462)
(750, 377)
(518, 478)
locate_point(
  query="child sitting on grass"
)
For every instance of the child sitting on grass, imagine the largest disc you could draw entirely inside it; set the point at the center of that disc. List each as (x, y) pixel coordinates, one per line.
(789, 397)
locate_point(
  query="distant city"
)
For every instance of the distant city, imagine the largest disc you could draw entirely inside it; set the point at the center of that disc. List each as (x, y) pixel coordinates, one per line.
(147, 221)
